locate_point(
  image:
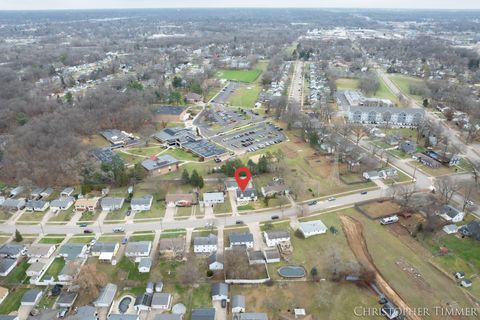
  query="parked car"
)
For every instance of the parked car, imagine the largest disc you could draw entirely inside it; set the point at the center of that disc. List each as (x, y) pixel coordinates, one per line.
(274, 217)
(118, 229)
(87, 231)
(332, 199)
(224, 303)
(312, 203)
(128, 213)
(83, 225)
(125, 240)
(62, 313)
(239, 222)
(93, 242)
(363, 192)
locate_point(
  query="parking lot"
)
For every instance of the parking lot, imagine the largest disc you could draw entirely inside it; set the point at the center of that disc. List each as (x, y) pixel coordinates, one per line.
(225, 93)
(253, 138)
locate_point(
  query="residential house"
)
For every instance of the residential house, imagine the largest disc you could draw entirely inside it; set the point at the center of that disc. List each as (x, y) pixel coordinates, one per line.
(85, 313)
(143, 302)
(272, 255)
(206, 244)
(241, 239)
(41, 250)
(69, 271)
(5, 317)
(408, 147)
(37, 205)
(110, 204)
(67, 192)
(311, 228)
(138, 249)
(6, 266)
(215, 262)
(172, 247)
(382, 174)
(274, 188)
(106, 296)
(143, 203)
(35, 193)
(11, 250)
(161, 164)
(150, 287)
(426, 160)
(451, 214)
(244, 197)
(67, 299)
(144, 265)
(161, 301)
(105, 251)
(72, 251)
(31, 297)
(84, 204)
(47, 192)
(62, 203)
(192, 97)
(14, 204)
(3, 294)
(203, 314)
(238, 304)
(170, 114)
(471, 229)
(273, 238)
(220, 291)
(392, 140)
(168, 316)
(211, 198)
(180, 199)
(253, 316)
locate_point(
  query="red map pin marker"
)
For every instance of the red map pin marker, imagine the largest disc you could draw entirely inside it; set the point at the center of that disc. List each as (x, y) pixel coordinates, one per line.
(242, 176)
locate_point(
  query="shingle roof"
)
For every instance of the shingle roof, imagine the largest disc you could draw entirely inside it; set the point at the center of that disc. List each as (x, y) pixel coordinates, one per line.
(31, 295)
(144, 300)
(220, 289)
(238, 301)
(161, 299)
(211, 239)
(277, 234)
(138, 246)
(240, 237)
(6, 264)
(104, 247)
(203, 314)
(107, 294)
(145, 263)
(71, 250)
(142, 201)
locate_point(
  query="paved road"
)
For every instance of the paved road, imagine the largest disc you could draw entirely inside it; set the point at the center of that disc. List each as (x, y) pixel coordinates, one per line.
(295, 97)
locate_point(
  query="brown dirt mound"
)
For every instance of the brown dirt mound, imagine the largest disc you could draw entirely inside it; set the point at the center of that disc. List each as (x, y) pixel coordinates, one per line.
(354, 231)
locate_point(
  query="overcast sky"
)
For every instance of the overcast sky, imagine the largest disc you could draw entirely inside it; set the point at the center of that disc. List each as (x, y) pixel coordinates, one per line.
(102, 4)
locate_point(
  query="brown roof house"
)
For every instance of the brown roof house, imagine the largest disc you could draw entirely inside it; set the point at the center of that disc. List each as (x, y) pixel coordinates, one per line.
(170, 114)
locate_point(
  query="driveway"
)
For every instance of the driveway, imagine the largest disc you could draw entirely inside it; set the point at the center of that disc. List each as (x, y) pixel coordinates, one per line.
(169, 214)
(220, 313)
(258, 243)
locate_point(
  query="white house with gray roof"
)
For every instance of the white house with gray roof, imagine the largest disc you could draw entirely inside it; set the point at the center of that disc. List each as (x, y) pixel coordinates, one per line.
(143, 203)
(144, 265)
(31, 297)
(11, 250)
(110, 203)
(41, 250)
(206, 244)
(451, 214)
(215, 261)
(220, 291)
(6, 266)
(311, 228)
(72, 251)
(67, 192)
(241, 239)
(13, 204)
(62, 203)
(238, 304)
(253, 316)
(274, 237)
(37, 205)
(138, 249)
(161, 301)
(211, 198)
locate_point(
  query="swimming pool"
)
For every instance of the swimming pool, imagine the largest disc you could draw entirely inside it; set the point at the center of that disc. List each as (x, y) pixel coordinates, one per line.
(292, 272)
(124, 304)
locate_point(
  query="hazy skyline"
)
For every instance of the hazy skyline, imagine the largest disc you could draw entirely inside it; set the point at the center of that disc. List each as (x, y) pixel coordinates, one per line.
(118, 4)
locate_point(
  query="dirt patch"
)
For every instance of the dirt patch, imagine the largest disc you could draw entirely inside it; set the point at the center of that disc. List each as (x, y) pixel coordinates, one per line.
(354, 232)
(289, 152)
(413, 273)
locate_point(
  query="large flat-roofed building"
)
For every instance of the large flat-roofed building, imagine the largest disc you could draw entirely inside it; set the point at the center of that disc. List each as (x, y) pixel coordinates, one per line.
(119, 138)
(188, 140)
(360, 109)
(161, 164)
(170, 114)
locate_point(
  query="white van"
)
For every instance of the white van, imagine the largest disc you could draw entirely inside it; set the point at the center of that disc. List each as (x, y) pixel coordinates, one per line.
(389, 220)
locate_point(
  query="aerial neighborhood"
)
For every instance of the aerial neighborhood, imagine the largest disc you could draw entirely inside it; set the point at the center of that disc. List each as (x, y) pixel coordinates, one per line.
(245, 164)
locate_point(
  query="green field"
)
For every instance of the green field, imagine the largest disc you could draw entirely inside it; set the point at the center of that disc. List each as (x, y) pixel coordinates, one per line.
(403, 83)
(347, 83)
(12, 301)
(245, 96)
(352, 84)
(55, 268)
(247, 76)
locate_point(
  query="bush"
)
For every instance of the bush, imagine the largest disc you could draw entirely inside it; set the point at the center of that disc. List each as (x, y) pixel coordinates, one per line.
(209, 273)
(299, 234)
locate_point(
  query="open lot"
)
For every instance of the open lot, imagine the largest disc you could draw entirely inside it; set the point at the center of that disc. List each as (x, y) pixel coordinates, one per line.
(379, 209)
(246, 76)
(245, 96)
(403, 82)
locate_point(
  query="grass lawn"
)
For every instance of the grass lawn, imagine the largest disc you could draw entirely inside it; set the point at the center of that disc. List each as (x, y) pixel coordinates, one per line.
(131, 268)
(247, 76)
(117, 214)
(4, 239)
(183, 211)
(181, 154)
(173, 233)
(55, 268)
(146, 151)
(406, 133)
(46, 301)
(63, 216)
(245, 207)
(385, 93)
(464, 166)
(17, 275)
(5, 215)
(96, 140)
(403, 83)
(80, 239)
(347, 83)
(89, 217)
(12, 301)
(32, 216)
(225, 207)
(142, 237)
(245, 96)
(396, 256)
(51, 240)
(110, 237)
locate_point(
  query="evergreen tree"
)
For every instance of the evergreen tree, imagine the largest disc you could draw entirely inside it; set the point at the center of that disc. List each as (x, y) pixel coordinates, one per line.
(185, 177)
(195, 179)
(18, 236)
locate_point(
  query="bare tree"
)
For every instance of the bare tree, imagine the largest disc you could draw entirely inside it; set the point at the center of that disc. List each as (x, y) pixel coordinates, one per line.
(90, 280)
(188, 273)
(359, 132)
(446, 187)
